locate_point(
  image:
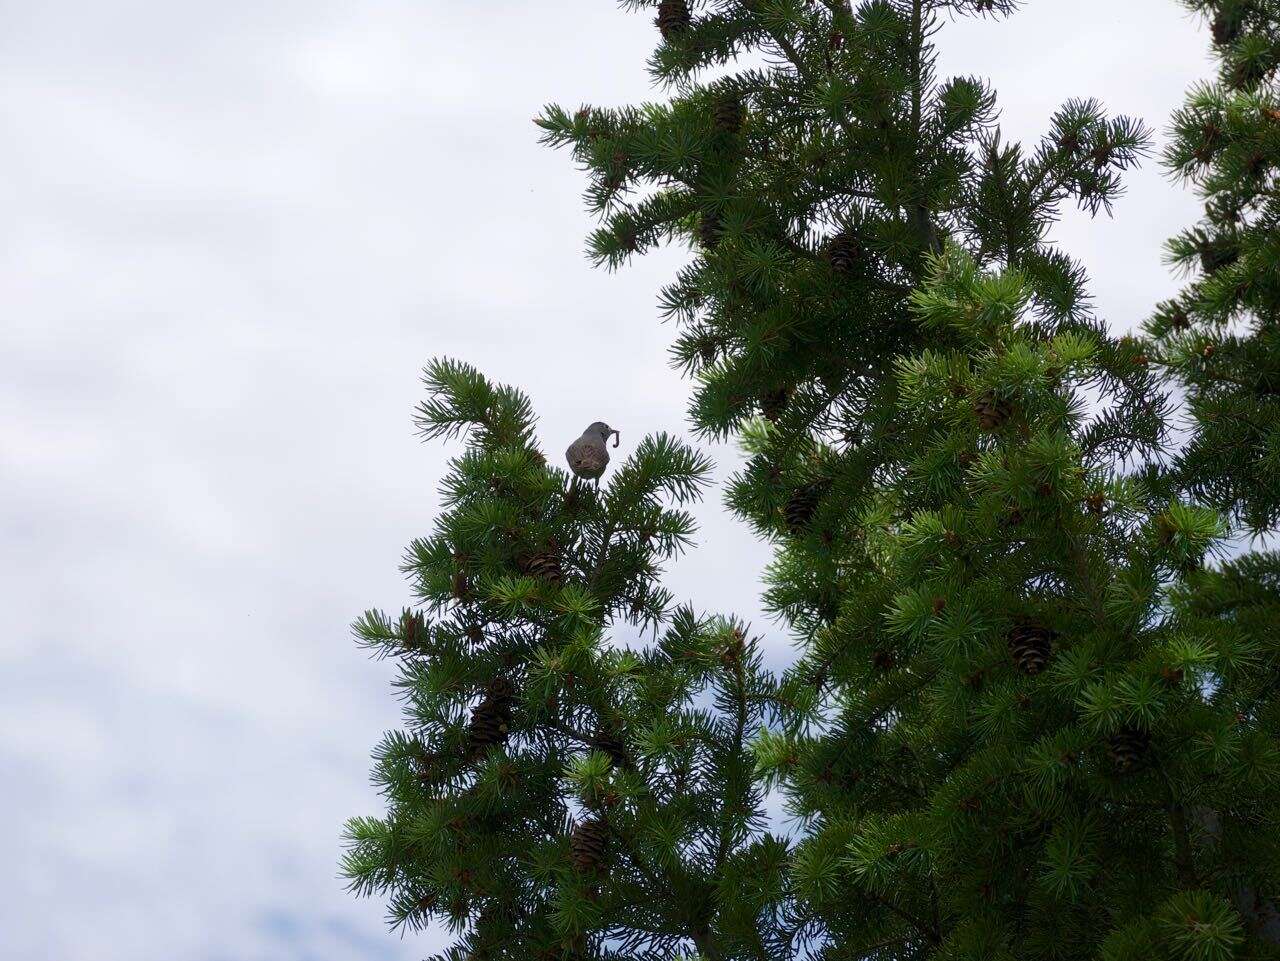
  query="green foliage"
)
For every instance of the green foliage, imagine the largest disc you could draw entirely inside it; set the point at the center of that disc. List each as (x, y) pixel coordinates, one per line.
(1033, 713)
(1219, 338)
(524, 718)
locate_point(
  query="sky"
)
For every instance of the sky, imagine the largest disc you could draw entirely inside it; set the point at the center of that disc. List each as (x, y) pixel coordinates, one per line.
(231, 236)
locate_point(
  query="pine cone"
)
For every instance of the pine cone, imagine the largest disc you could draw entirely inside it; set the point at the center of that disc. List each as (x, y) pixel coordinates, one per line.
(1218, 253)
(490, 725)
(827, 607)
(1227, 26)
(1031, 645)
(1128, 748)
(1248, 73)
(628, 238)
(611, 744)
(774, 403)
(673, 18)
(1210, 140)
(992, 411)
(843, 252)
(710, 229)
(588, 845)
(729, 114)
(461, 586)
(544, 564)
(501, 689)
(413, 630)
(491, 718)
(427, 765)
(802, 505)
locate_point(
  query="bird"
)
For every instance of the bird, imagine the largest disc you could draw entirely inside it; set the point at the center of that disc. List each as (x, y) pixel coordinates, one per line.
(588, 456)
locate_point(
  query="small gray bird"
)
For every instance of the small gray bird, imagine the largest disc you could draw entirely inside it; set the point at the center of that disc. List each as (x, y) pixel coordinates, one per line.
(589, 455)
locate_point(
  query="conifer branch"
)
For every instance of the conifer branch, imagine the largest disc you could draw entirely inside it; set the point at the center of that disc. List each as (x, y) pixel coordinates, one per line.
(739, 745)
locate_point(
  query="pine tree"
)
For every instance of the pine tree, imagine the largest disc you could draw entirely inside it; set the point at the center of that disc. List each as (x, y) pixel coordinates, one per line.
(1028, 721)
(554, 793)
(1221, 337)
(1031, 716)
(1219, 342)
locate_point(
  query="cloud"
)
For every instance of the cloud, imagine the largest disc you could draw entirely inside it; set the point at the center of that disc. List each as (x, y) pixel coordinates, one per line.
(232, 235)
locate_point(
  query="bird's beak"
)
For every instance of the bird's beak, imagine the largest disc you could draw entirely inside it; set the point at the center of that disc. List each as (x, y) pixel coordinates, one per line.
(617, 438)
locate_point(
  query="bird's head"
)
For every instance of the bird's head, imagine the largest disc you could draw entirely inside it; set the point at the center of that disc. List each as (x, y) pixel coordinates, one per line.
(605, 432)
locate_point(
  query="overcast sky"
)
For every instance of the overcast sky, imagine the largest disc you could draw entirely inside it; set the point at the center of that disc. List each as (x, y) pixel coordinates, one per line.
(230, 235)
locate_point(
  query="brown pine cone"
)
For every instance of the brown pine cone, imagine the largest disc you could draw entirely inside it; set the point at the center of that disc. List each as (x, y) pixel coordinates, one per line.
(774, 403)
(729, 114)
(1031, 646)
(673, 18)
(491, 719)
(413, 630)
(993, 412)
(1128, 748)
(802, 505)
(843, 252)
(543, 564)
(710, 229)
(589, 844)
